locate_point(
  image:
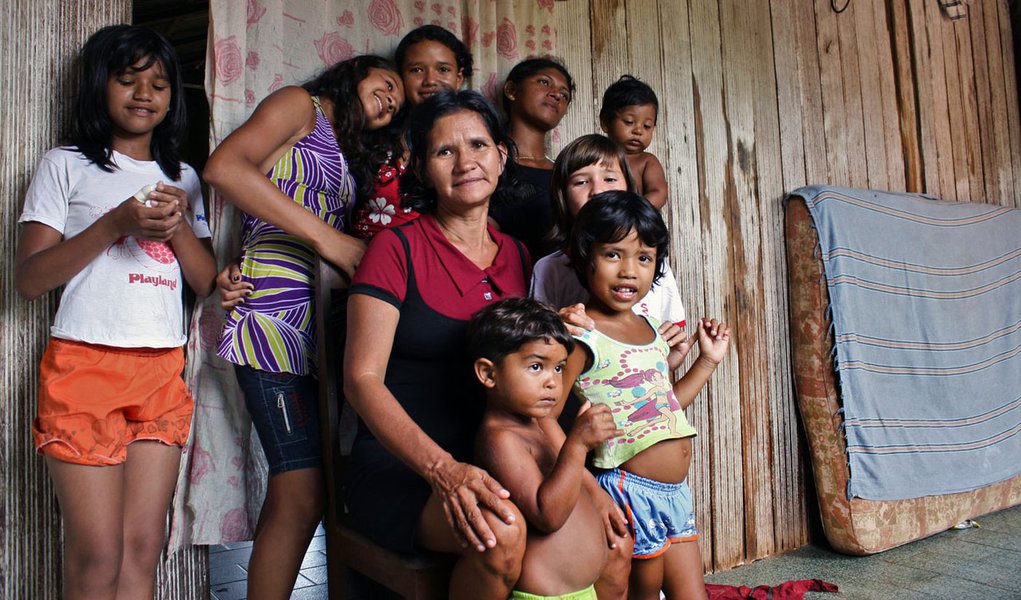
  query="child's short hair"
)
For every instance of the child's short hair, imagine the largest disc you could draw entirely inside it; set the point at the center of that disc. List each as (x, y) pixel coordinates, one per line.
(626, 91)
(583, 151)
(505, 326)
(530, 67)
(114, 50)
(609, 217)
(435, 33)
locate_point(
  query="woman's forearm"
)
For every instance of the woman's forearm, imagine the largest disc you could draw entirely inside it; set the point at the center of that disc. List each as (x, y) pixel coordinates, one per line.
(394, 428)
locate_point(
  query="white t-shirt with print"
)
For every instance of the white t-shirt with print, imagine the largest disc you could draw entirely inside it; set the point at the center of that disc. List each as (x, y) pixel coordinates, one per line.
(555, 283)
(129, 296)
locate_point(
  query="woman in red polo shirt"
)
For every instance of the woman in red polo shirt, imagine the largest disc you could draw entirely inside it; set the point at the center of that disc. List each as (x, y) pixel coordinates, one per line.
(406, 372)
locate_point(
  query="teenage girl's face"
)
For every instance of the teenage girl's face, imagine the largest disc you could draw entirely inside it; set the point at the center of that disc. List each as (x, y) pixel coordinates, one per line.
(429, 67)
(603, 176)
(462, 163)
(382, 95)
(632, 127)
(621, 273)
(137, 101)
(541, 98)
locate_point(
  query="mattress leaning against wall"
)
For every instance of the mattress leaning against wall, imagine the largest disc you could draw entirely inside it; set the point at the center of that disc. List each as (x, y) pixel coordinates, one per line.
(853, 524)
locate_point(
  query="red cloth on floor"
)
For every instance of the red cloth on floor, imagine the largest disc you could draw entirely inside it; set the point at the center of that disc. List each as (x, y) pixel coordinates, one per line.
(791, 590)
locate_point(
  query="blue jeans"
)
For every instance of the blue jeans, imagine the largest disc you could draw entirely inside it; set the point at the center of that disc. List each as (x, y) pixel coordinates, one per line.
(285, 411)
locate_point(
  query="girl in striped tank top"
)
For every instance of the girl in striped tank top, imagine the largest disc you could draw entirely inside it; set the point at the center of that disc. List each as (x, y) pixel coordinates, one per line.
(294, 168)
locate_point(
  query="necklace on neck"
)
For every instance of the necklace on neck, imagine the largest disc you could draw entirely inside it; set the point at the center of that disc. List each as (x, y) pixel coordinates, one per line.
(546, 157)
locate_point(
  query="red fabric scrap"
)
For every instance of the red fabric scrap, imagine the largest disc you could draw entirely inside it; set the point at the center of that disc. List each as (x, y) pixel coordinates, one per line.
(791, 590)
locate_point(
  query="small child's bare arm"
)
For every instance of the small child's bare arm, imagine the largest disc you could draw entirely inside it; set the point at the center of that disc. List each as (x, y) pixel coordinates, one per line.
(713, 341)
(546, 499)
(653, 180)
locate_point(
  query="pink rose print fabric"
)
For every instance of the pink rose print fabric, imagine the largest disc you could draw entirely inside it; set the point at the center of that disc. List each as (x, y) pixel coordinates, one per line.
(228, 60)
(332, 48)
(385, 16)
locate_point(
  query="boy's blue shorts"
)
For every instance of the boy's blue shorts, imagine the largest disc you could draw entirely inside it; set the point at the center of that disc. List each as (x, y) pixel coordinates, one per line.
(659, 514)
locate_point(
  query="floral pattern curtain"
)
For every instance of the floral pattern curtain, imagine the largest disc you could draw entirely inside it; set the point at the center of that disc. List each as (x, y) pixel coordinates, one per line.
(256, 47)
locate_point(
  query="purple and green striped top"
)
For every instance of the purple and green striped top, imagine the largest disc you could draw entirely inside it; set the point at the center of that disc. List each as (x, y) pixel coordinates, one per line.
(274, 329)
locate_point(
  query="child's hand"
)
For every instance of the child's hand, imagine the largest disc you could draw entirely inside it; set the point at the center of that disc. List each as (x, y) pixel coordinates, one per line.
(166, 193)
(157, 223)
(713, 339)
(593, 426)
(679, 342)
(576, 320)
(233, 291)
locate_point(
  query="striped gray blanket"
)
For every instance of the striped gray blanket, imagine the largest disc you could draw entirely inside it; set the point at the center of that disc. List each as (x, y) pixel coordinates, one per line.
(926, 307)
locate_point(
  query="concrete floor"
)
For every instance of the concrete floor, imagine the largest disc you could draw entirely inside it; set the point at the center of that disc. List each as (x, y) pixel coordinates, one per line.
(978, 563)
(982, 562)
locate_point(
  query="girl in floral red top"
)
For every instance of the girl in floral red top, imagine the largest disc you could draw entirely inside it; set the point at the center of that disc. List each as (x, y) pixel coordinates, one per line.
(430, 59)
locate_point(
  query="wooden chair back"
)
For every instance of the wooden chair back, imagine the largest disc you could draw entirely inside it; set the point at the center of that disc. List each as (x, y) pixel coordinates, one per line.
(420, 578)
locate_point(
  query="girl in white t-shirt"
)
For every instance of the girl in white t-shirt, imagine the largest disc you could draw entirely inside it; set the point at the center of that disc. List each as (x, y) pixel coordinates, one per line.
(118, 221)
(587, 166)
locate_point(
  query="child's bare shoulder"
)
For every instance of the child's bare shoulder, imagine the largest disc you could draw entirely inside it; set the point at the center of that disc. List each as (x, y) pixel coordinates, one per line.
(500, 440)
(639, 162)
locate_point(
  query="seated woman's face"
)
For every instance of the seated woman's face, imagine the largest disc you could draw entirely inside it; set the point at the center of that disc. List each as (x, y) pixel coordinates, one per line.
(542, 98)
(429, 67)
(462, 162)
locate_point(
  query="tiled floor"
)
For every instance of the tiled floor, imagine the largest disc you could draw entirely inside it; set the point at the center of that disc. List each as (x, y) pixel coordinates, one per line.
(979, 563)
(228, 569)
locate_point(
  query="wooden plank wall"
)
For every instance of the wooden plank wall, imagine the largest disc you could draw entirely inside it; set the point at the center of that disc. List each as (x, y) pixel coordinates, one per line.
(758, 98)
(38, 40)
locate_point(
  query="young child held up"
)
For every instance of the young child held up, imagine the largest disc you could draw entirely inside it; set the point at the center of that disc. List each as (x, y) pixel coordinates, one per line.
(618, 247)
(117, 219)
(520, 347)
(628, 116)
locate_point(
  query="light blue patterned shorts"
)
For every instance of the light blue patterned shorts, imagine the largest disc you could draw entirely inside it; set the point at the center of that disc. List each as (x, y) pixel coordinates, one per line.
(659, 513)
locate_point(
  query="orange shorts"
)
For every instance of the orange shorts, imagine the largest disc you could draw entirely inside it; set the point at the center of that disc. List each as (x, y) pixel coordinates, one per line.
(95, 400)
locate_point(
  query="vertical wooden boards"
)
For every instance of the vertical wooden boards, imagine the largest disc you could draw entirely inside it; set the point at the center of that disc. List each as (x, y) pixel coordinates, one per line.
(938, 101)
(832, 84)
(574, 44)
(904, 83)
(1010, 84)
(610, 48)
(870, 92)
(942, 33)
(781, 453)
(723, 395)
(959, 35)
(991, 101)
(918, 46)
(676, 136)
(787, 60)
(742, 204)
(886, 95)
(799, 114)
(847, 34)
